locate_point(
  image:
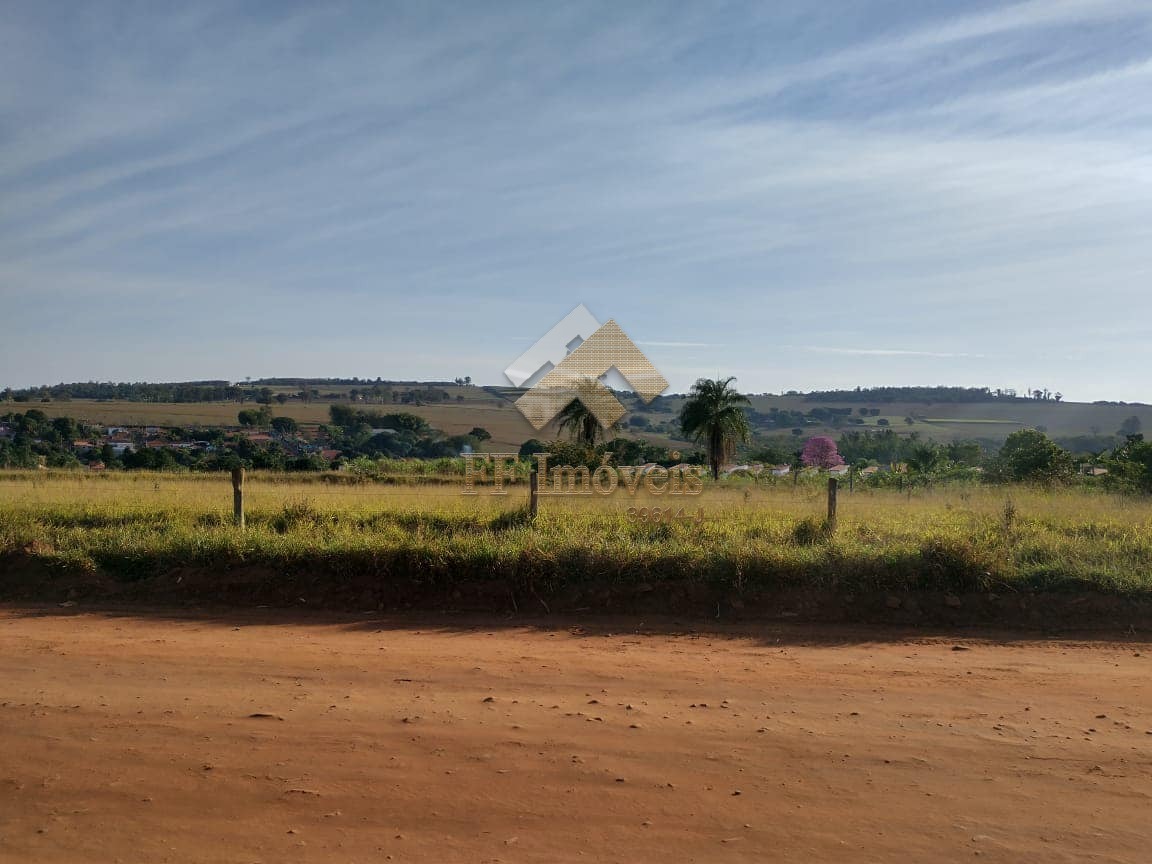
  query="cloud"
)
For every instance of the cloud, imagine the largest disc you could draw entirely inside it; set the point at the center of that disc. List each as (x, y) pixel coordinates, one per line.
(888, 352)
(900, 168)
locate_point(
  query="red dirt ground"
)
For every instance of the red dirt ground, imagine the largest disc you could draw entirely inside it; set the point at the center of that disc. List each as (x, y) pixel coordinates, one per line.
(268, 738)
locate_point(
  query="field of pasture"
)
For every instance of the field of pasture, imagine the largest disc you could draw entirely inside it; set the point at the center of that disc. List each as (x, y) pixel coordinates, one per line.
(329, 541)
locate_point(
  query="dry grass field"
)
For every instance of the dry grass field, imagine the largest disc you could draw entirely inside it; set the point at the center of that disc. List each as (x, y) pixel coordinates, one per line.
(961, 537)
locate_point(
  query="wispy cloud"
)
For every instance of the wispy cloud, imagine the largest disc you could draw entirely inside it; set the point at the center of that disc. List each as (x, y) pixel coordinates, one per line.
(675, 344)
(887, 352)
(899, 169)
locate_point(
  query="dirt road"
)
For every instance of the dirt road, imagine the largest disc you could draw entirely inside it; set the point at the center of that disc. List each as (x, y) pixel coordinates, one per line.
(272, 739)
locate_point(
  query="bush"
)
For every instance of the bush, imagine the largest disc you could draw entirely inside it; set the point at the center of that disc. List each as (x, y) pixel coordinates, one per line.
(1130, 466)
(1031, 456)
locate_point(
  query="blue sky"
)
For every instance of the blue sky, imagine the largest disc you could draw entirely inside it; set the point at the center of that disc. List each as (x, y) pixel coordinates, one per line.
(801, 194)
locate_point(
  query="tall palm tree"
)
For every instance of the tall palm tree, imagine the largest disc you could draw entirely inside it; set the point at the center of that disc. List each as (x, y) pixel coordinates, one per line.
(580, 423)
(713, 416)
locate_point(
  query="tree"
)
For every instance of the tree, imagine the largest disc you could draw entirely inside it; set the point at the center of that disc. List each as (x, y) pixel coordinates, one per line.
(480, 433)
(821, 452)
(284, 425)
(1030, 455)
(771, 454)
(531, 447)
(1131, 464)
(1131, 426)
(578, 421)
(924, 458)
(966, 453)
(714, 416)
(65, 429)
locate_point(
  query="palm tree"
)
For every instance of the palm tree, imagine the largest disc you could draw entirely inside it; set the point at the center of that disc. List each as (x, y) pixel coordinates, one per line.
(580, 423)
(713, 416)
(924, 458)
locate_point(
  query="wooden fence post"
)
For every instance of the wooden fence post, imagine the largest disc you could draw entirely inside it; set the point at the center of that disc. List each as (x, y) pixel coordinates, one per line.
(533, 491)
(238, 496)
(831, 503)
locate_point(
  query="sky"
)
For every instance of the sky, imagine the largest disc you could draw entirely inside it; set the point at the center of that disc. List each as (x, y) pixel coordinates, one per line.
(802, 195)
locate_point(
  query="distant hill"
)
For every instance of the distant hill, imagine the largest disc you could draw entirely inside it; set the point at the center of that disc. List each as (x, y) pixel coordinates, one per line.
(938, 413)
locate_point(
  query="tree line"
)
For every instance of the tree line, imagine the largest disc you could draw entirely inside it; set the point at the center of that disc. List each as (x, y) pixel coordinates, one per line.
(925, 395)
(184, 391)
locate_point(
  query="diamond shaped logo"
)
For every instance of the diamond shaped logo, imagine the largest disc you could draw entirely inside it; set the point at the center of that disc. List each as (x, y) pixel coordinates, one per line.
(573, 360)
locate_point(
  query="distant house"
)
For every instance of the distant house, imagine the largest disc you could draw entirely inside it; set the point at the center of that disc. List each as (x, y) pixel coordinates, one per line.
(96, 466)
(781, 470)
(258, 437)
(839, 470)
(330, 455)
(1095, 471)
(869, 471)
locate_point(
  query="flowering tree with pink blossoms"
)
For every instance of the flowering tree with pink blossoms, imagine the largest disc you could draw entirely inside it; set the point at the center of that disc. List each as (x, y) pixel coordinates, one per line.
(820, 452)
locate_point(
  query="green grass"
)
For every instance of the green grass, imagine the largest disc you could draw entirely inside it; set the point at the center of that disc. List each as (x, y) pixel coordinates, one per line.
(970, 538)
